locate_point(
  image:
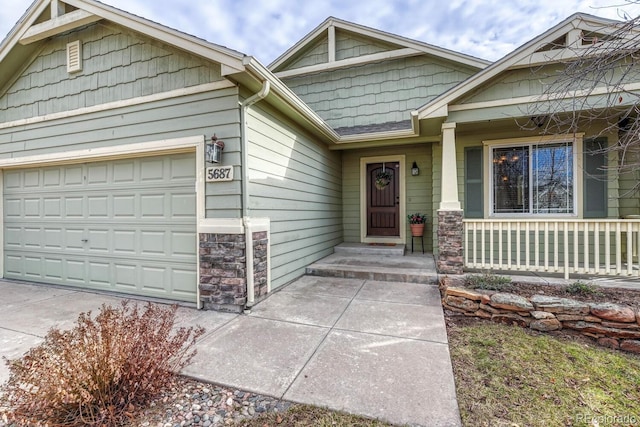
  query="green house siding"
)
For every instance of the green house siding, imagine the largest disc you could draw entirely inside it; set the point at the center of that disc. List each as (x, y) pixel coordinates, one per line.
(296, 182)
(418, 188)
(117, 65)
(377, 93)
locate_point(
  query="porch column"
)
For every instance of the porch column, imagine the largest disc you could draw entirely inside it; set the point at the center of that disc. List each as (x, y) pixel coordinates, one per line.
(450, 227)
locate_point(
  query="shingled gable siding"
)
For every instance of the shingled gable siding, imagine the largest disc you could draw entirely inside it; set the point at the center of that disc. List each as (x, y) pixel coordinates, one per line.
(296, 181)
(318, 53)
(349, 45)
(376, 93)
(117, 65)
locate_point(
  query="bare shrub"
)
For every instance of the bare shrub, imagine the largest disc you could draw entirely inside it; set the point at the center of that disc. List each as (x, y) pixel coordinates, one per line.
(100, 372)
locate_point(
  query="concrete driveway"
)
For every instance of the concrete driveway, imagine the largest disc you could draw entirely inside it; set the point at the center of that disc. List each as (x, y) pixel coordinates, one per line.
(372, 348)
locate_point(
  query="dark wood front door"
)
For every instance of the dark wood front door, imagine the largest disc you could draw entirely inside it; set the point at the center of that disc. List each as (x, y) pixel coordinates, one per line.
(383, 204)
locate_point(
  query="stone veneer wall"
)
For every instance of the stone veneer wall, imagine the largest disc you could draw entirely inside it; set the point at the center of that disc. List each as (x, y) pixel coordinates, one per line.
(612, 325)
(260, 263)
(450, 238)
(223, 273)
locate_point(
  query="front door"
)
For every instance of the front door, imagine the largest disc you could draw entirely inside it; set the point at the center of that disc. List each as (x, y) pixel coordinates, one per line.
(383, 199)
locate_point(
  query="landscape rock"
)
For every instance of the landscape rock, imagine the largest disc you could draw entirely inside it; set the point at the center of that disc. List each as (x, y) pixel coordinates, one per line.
(619, 325)
(461, 303)
(464, 293)
(546, 325)
(632, 346)
(538, 315)
(511, 302)
(482, 314)
(559, 305)
(599, 330)
(613, 312)
(577, 317)
(510, 319)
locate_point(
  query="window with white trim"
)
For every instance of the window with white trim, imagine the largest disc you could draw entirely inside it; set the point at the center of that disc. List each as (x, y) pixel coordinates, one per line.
(533, 178)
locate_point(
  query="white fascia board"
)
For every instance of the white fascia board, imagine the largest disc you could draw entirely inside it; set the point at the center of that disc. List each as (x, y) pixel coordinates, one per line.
(181, 40)
(58, 25)
(288, 96)
(350, 62)
(105, 153)
(312, 35)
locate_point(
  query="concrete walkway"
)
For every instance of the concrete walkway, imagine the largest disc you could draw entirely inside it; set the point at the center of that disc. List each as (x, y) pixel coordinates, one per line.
(372, 348)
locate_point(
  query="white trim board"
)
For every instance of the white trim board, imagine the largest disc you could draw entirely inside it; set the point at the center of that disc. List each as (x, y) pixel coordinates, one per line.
(207, 87)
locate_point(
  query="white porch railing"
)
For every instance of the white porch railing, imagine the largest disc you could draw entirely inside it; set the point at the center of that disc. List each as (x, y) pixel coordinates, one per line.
(572, 246)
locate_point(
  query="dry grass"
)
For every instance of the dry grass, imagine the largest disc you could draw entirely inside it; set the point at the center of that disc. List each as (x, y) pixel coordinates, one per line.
(507, 376)
(306, 415)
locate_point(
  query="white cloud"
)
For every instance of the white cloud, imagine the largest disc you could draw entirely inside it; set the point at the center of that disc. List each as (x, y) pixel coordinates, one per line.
(265, 29)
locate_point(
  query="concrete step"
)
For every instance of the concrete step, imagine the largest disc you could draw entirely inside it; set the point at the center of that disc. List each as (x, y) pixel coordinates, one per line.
(386, 268)
(366, 249)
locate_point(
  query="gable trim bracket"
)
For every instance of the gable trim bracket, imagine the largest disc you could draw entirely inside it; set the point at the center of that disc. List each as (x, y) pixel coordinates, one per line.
(58, 25)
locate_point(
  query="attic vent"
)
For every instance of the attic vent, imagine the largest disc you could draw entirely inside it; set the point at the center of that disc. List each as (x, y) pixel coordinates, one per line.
(74, 57)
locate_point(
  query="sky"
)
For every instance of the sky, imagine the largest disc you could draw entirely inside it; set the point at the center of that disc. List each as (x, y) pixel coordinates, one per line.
(488, 29)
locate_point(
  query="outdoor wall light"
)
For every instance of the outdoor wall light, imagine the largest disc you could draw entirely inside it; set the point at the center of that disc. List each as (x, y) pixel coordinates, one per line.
(415, 170)
(213, 153)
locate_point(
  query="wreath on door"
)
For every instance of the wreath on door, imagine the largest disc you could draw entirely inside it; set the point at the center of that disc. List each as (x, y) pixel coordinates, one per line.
(383, 178)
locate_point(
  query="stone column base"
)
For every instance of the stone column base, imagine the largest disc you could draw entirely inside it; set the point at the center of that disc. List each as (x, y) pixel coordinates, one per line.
(450, 239)
(223, 273)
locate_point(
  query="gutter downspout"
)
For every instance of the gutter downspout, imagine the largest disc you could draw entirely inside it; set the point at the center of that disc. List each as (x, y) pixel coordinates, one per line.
(246, 220)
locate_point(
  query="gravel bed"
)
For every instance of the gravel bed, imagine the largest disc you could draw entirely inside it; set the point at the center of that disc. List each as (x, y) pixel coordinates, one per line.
(189, 402)
(192, 403)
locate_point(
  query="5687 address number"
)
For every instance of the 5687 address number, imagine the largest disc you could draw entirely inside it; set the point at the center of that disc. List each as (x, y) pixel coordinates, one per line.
(219, 174)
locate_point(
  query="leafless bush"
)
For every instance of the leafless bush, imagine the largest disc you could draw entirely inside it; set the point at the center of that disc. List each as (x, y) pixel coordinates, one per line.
(100, 372)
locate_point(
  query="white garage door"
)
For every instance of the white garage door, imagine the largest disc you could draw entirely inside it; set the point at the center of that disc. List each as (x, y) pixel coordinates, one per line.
(127, 225)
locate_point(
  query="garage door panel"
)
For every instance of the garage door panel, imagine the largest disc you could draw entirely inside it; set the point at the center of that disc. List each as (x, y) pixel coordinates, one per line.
(98, 240)
(52, 207)
(31, 179)
(126, 276)
(180, 279)
(152, 206)
(73, 176)
(126, 225)
(183, 206)
(53, 237)
(32, 237)
(124, 206)
(73, 207)
(33, 267)
(153, 243)
(99, 274)
(53, 269)
(154, 278)
(152, 170)
(32, 208)
(97, 173)
(51, 177)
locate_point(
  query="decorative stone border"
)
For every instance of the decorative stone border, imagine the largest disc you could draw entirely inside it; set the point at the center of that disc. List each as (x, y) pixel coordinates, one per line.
(611, 325)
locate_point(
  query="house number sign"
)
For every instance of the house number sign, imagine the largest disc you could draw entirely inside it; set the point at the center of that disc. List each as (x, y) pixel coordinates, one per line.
(219, 174)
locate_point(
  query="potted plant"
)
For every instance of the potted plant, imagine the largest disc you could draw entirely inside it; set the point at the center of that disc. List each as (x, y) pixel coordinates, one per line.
(416, 222)
(383, 178)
